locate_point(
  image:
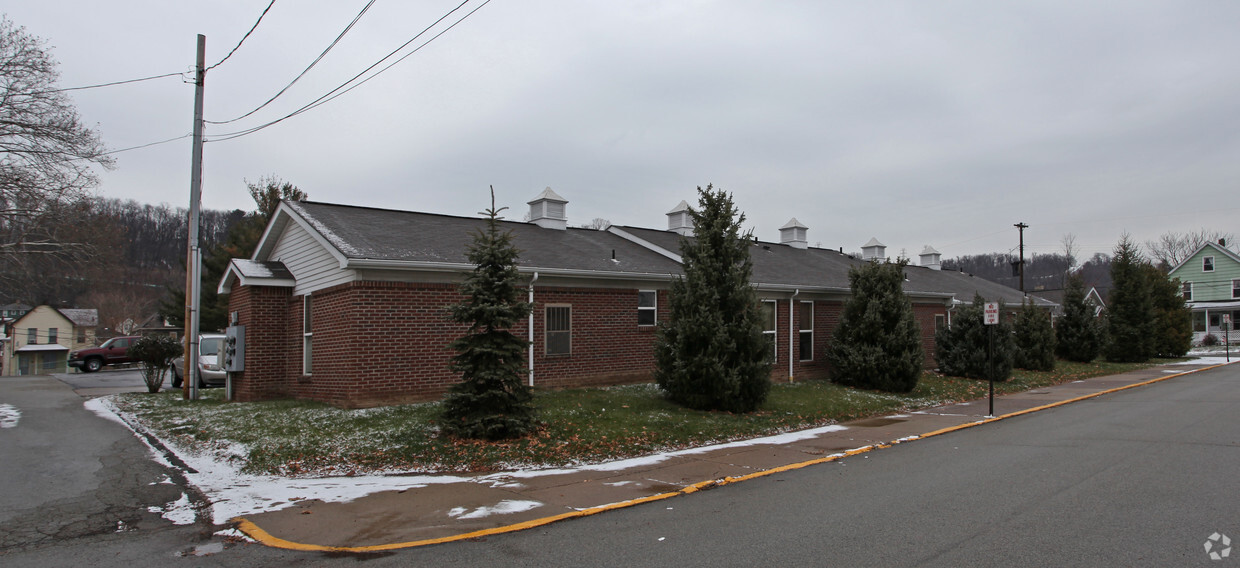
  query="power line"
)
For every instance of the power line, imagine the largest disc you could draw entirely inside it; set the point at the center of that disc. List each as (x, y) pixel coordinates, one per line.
(182, 75)
(304, 71)
(148, 145)
(331, 95)
(243, 38)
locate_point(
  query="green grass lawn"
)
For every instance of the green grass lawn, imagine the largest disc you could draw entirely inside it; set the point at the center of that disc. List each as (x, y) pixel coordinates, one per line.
(299, 438)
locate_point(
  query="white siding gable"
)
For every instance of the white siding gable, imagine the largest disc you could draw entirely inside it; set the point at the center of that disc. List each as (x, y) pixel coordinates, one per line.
(311, 264)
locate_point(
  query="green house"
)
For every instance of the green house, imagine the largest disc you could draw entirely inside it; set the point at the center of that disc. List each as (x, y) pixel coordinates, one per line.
(1210, 279)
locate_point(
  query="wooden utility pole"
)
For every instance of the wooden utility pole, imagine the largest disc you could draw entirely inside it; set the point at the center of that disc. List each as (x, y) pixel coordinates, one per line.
(193, 269)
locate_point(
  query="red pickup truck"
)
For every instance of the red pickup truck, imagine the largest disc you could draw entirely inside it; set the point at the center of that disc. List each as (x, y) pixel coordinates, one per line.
(113, 352)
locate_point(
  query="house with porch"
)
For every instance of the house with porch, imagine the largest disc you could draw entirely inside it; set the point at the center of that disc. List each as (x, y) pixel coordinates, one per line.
(1210, 281)
(40, 341)
(348, 305)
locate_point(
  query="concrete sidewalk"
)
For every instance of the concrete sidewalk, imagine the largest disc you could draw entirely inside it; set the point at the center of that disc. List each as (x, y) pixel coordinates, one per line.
(491, 504)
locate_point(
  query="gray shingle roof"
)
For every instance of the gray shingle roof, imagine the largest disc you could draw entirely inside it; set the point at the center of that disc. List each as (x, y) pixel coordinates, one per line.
(262, 269)
(381, 234)
(81, 317)
(361, 233)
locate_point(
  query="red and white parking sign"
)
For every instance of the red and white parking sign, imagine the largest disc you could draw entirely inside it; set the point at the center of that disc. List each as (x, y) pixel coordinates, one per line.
(992, 313)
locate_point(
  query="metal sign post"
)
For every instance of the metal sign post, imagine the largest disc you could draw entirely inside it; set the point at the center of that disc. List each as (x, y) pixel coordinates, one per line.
(1227, 336)
(991, 318)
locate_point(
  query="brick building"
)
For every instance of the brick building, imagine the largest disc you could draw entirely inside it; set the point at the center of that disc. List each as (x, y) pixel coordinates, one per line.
(348, 305)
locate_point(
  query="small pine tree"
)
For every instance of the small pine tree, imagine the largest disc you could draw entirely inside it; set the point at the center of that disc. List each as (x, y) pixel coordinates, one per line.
(1079, 331)
(490, 402)
(1035, 339)
(710, 353)
(961, 348)
(1130, 310)
(1173, 327)
(878, 342)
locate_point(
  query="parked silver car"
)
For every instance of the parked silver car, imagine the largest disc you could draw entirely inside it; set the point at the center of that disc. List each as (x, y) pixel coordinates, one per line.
(210, 367)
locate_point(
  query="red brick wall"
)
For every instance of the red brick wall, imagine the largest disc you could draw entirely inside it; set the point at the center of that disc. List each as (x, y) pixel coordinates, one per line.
(262, 311)
(378, 343)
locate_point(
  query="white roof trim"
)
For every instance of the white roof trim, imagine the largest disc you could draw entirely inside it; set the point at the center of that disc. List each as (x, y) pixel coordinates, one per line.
(232, 274)
(644, 243)
(281, 218)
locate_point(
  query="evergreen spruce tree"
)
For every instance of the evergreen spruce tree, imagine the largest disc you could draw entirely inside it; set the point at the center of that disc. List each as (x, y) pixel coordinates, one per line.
(1079, 332)
(1034, 338)
(1173, 321)
(1130, 309)
(490, 402)
(710, 353)
(878, 342)
(960, 349)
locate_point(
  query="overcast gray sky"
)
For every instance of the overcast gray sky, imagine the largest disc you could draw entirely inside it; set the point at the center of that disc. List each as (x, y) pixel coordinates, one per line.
(940, 123)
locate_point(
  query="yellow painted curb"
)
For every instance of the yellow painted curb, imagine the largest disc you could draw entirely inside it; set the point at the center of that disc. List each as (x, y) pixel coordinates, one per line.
(257, 533)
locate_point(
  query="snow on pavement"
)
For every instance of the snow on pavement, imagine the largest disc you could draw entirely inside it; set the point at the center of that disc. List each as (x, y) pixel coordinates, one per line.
(9, 415)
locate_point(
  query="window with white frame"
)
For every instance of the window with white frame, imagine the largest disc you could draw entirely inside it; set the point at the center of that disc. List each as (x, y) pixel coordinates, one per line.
(559, 333)
(940, 322)
(53, 335)
(768, 326)
(1235, 288)
(307, 336)
(1188, 291)
(32, 336)
(1207, 264)
(807, 331)
(647, 307)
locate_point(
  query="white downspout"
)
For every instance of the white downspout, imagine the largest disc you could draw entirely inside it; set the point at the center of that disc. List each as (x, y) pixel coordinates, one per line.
(791, 307)
(531, 326)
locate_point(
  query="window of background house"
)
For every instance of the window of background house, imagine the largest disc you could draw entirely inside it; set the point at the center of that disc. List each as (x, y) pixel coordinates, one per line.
(1214, 320)
(768, 326)
(32, 336)
(307, 336)
(940, 322)
(1199, 321)
(1188, 291)
(53, 335)
(647, 307)
(559, 330)
(1207, 264)
(81, 336)
(1235, 320)
(1235, 288)
(807, 331)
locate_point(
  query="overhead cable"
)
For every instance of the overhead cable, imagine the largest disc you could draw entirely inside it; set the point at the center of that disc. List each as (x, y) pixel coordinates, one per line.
(304, 71)
(243, 38)
(341, 89)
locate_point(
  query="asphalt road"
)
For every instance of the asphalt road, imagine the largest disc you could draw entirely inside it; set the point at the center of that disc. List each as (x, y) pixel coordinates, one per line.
(1137, 478)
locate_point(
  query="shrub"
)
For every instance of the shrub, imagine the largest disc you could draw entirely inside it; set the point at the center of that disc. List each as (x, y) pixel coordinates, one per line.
(1035, 339)
(961, 347)
(1079, 333)
(156, 353)
(878, 342)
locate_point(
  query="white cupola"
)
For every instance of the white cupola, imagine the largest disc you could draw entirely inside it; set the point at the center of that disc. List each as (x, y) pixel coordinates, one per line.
(548, 211)
(793, 234)
(930, 258)
(874, 250)
(679, 220)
